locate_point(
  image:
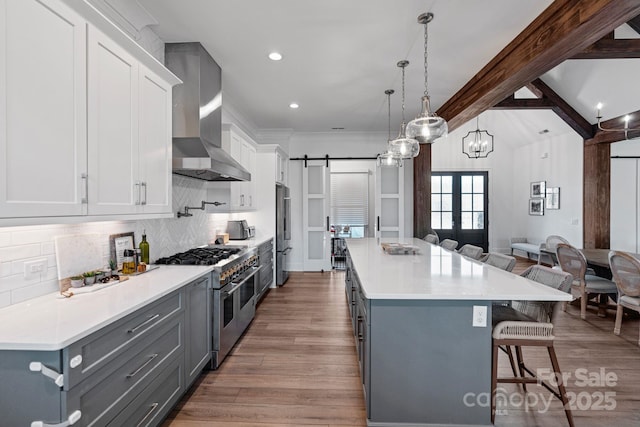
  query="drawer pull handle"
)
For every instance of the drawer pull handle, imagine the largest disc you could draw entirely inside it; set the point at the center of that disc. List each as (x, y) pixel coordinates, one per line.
(73, 418)
(57, 377)
(148, 414)
(134, 373)
(75, 361)
(146, 322)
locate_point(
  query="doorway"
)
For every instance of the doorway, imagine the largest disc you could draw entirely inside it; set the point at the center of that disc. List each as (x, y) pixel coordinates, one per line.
(460, 207)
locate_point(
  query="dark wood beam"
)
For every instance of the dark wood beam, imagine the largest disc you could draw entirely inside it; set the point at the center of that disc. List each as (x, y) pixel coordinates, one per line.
(523, 104)
(564, 110)
(607, 137)
(635, 24)
(565, 28)
(611, 49)
(537, 92)
(422, 192)
(596, 195)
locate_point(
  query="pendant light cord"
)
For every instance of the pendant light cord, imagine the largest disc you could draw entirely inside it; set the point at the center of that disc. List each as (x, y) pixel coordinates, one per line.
(403, 93)
(389, 112)
(426, 61)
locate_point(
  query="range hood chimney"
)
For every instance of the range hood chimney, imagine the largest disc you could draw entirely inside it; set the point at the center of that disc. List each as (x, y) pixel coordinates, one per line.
(197, 116)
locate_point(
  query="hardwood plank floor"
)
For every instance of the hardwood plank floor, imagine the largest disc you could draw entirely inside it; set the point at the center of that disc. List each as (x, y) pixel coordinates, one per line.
(296, 365)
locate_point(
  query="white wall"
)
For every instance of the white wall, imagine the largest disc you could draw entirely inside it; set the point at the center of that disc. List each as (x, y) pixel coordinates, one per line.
(625, 196)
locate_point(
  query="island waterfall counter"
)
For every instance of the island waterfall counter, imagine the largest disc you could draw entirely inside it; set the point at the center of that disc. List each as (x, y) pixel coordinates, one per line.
(422, 360)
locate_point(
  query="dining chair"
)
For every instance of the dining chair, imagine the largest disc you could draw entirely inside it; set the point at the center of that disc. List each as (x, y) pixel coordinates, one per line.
(550, 244)
(528, 323)
(626, 275)
(432, 238)
(471, 251)
(501, 261)
(584, 285)
(449, 244)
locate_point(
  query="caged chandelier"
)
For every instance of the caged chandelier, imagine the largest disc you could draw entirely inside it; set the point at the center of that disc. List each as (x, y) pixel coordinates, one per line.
(428, 126)
(387, 158)
(477, 144)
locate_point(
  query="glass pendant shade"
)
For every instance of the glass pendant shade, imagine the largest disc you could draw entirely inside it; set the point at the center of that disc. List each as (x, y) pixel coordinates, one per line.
(428, 126)
(403, 147)
(388, 158)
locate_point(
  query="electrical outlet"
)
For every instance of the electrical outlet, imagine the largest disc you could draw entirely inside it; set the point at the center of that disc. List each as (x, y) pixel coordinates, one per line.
(35, 268)
(479, 316)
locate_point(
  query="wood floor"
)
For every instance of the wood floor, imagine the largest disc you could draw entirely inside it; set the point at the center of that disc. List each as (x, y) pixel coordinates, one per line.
(296, 366)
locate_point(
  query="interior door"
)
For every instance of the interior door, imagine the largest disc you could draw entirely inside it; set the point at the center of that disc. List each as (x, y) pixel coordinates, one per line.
(389, 203)
(315, 216)
(460, 207)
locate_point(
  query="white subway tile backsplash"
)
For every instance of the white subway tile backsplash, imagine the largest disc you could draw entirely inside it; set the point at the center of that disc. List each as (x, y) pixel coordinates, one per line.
(165, 236)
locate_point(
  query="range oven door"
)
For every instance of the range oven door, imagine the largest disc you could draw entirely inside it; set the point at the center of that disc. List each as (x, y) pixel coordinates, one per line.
(234, 308)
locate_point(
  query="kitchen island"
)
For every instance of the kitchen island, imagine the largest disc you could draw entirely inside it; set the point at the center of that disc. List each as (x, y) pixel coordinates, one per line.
(423, 330)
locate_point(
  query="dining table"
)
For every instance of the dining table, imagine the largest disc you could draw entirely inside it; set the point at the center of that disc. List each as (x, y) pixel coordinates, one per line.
(597, 259)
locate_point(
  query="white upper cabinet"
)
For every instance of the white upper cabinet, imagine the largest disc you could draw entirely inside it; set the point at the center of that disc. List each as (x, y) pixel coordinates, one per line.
(43, 123)
(85, 117)
(241, 194)
(114, 186)
(282, 163)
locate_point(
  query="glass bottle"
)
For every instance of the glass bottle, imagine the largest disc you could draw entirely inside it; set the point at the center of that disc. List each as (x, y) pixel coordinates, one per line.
(144, 248)
(128, 264)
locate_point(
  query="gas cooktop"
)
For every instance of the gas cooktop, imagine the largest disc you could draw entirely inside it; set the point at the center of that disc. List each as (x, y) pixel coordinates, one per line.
(210, 255)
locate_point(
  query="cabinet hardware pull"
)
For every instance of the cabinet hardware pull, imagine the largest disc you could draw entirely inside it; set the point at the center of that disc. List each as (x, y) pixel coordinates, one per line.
(154, 405)
(327, 223)
(57, 377)
(137, 190)
(75, 361)
(378, 223)
(134, 373)
(85, 188)
(250, 200)
(146, 322)
(73, 418)
(144, 185)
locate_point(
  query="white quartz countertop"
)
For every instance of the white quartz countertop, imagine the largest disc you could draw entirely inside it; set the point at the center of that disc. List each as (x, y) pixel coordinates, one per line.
(52, 323)
(437, 274)
(252, 242)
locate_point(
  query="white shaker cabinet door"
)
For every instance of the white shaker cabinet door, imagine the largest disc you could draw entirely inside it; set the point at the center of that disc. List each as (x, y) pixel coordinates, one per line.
(114, 187)
(42, 109)
(155, 143)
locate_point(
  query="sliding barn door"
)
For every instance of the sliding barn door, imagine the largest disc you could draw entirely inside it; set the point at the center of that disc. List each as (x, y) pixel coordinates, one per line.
(315, 216)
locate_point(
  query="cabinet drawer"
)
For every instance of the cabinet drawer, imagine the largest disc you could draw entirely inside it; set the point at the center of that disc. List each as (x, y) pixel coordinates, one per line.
(100, 347)
(155, 401)
(110, 390)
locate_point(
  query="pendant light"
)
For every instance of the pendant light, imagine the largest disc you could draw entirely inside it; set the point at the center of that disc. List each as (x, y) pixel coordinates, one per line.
(387, 158)
(477, 144)
(427, 127)
(403, 147)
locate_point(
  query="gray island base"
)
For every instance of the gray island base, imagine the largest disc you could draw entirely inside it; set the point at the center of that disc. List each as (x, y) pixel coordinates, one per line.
(422, 360)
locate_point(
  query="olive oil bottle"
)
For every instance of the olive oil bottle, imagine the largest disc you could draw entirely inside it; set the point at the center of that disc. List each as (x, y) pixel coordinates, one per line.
(144, 248)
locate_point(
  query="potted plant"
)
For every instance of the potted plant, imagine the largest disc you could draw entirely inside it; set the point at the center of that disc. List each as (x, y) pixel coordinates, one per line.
(89, 277)
(113, 266)
(77, 281)
(99, 275)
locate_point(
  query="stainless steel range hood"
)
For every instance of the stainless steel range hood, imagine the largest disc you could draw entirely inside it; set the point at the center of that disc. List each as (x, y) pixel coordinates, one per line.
(197, 116)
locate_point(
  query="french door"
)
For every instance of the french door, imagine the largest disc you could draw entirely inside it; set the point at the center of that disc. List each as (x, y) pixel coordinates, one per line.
(460, 207)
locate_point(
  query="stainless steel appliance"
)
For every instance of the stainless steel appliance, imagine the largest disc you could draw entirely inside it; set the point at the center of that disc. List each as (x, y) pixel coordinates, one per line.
(283, 232)
(238, 230)
(233, 293)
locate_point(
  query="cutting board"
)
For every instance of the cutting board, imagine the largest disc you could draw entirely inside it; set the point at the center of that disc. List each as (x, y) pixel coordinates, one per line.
(77, 254)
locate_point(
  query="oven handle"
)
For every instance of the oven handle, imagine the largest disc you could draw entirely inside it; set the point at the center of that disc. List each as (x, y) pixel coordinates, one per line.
(237, 285)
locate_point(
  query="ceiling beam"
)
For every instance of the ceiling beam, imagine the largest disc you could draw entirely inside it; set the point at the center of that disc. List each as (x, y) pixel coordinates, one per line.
(562, 30)
(564, 110)
(635, 24)
(604, 137)
(611, 49)
(512, 103)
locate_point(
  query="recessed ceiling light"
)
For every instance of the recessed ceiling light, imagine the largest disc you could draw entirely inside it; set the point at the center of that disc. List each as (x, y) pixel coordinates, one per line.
(275, 56)
(293, 105)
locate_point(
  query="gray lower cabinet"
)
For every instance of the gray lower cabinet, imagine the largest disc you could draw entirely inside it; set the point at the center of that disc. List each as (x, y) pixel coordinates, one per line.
(265, 256)
(198, 295)
(130, 372)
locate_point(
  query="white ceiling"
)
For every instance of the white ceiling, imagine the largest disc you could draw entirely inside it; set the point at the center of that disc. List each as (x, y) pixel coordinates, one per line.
(341, 55)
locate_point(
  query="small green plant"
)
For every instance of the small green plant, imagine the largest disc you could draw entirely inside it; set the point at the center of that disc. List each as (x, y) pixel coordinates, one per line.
(76, 277)
(112, 264)
(89, 274)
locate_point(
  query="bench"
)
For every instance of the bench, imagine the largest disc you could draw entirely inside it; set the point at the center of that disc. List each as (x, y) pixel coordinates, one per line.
(521, 244)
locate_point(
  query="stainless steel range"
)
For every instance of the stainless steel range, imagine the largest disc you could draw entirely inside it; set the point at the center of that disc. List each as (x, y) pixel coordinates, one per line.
(233, 291)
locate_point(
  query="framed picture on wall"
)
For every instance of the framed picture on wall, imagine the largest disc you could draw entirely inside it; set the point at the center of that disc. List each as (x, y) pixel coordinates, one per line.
(536, 206)
(552, 201)
(538, 189)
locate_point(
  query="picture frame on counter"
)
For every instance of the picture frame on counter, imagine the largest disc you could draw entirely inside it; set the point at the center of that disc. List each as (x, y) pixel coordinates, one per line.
(552, 200)
(118, 243)
(536, 206)
(538, 189)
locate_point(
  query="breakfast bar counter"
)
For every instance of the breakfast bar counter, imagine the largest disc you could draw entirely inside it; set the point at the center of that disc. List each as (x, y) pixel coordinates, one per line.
(422, 323)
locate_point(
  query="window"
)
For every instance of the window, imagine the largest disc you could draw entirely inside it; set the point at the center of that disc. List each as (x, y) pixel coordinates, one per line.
(441, 202)
(349, 203)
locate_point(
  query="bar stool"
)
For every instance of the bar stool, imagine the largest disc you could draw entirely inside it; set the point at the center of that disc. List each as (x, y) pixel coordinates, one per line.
(449, 244)
(471, 251)
(528, 323)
